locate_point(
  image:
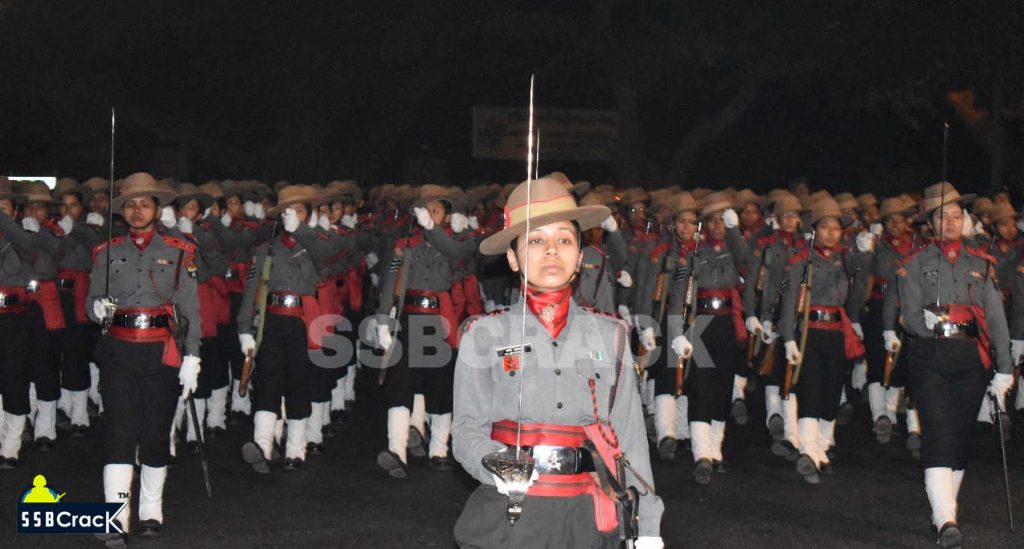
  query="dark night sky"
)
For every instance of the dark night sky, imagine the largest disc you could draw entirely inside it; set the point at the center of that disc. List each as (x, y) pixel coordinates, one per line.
(850, 94)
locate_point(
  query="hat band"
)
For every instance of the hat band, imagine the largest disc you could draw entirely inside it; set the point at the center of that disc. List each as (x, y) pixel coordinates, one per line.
(516, 215)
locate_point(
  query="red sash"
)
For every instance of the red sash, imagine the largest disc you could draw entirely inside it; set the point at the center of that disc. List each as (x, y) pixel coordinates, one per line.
(308, 312)
(852, 344)
(81, 292)
(209, 307)
(354, 289)
(445, 309)
(48, 298)
(236, 285)
(733, 295)
(171, 355)
(14, 291)
(966, 313)
(328, 297)
(471, 289)
(220, 284)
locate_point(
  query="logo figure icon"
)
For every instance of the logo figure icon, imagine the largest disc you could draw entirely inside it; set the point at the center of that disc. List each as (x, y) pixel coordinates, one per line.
(40, 493)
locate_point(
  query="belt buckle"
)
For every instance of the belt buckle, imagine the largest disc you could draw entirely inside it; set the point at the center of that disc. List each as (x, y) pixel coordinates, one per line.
(287, 301)
(32, 286)
(554, 459)
(716, 303)
(230, 274)
(142, 320)
(3, 299)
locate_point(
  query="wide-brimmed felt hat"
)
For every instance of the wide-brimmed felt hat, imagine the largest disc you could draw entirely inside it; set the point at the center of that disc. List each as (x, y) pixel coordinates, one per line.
(213, 189)
(747, 196)
(35, 191)
(92, 186)
(847, 201)
(940, 194)
(681, 202)
(337, 191)
(291, 195)
(481, 194)
(714, 203)
(866, 199)
(826, 207)
(142, 184)
(1002, 212)
(787, 203)
(634, 195)
(430, 192)
(548, 202)
(188, 191)
(64, 186)
(982, 206)
(502, 198)
(893, 206)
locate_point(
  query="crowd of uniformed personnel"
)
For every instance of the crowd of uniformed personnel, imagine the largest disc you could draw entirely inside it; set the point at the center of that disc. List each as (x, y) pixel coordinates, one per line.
(814, 298)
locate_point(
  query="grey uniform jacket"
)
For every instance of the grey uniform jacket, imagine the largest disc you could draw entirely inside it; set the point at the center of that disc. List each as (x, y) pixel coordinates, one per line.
(17, 247)
(76, 248)
(773, 252)
(146, 278)
(554, 375)
(596, 286)
(830, 286)
(965, 282)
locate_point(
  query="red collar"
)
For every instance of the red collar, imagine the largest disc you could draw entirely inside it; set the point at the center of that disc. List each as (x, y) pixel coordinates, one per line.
(288, 240)
(550, 308)
(142, 240)
(686, 248)
(714, 243)
(901, 244)
(950, 249)
(788, 238)
(824, 252)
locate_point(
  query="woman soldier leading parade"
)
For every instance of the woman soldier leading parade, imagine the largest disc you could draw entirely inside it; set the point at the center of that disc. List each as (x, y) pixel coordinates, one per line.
(954, 313)
(557, 379)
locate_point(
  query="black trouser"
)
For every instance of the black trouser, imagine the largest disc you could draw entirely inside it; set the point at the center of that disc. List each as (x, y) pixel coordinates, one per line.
(76, 346)
(139, 397)
(213, 374)
(949, 382)
(874, 348)
(231, 351)
(709, 387)
(44, 346)
(15, 369)
(822, 374)
(545, 522)
(432, 362)
(283, 368)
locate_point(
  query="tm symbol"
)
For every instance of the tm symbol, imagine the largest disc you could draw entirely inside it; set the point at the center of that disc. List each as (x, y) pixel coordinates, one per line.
(123, 495)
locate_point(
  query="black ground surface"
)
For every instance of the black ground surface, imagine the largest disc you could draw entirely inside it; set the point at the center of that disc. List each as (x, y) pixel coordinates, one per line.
(875, 498)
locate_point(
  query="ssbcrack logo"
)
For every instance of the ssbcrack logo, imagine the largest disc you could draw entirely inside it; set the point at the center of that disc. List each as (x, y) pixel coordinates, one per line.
(42, 510)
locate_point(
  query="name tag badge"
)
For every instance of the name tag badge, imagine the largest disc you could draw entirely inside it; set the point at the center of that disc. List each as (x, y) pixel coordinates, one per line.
(118, 261)
(163, 261)
(510, 357)
(596, 355)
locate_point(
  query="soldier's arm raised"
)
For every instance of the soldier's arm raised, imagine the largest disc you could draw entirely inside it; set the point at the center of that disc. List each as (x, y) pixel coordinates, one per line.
(456, 249)
(24, 242)
(617, 251)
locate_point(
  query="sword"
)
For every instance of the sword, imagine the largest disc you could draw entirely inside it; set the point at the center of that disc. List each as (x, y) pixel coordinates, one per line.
(202, 444)
(112, 302)
(1002, 447)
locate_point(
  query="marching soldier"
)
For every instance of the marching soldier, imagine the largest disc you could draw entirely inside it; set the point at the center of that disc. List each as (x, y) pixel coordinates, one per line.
(578, 389)
(952, 309)
(604, 261)
(152, 346)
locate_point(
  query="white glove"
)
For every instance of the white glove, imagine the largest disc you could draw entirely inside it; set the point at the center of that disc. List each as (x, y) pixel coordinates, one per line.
(247, 343)
(371, 260)
(793, 353)
(968, 230)
(1020, 225)
(290, 220)
(609, 224)
(730, 218)
(649, 542)
(104, 307)
(857, 329)
(865, 242)
(768, 333)
(459, 222)
(324, 223)
(188, 375)
(185, 225)
(314, 219)
(892, 343)
(647, 339)
(504, 487)
(999, 386)
(167, 217)
(624, 313)
(225, 219)
(349, 220)
(474, 223)
(66, 224)
(682, 346)
(94, 219)
(754, 325)
(250, 208)
(206, 212)
(257, 211)
(859, 377)
(384, 339)
(374, 279)
(807, 237)
(624, 279)
(489, 306)
(930, 319)
(773, 222)
(1016, 350)
(876, 229)
(423, 218)
(30, 224)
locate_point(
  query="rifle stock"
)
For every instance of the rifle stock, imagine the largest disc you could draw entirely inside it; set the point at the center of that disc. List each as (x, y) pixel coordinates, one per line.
(689, 313)
(243, 382)
(803, 308)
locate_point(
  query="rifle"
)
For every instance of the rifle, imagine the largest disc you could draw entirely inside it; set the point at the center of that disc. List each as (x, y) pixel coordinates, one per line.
(259, 315)
(754, 342)
(892, 357)
(661, 296)
(803, 308)
(688, 312)
(397, 301)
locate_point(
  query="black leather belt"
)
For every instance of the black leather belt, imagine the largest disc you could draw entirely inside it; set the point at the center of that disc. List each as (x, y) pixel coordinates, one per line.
(824, 316)
(954, 330)
(140, 321)
(285, 300)
(713, 304)
(422, 301)
(9, 300)
(560, 460)
(66, 283)
(230, 274)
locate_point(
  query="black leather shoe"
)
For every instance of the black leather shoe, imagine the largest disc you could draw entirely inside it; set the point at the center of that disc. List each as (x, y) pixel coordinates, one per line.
(845, 413)
(702, 471)
(44, 445)
(149, 528)
(667, 448)
(253, 455)
(417, 446)
(719, 467)
(785, 449)
(238, 419)
(439, 463)
(739, 412)
(315, 448)
(883, 430)
(390, 462)
(808, 469)
(79, 431)
(63, 422)
(291, 464)
(777, 427)
(950, 536)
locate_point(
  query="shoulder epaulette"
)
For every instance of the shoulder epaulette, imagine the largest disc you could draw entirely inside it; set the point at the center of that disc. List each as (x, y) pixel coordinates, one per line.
(980, 253)
(99, 247)
(605, 314)
(475, 318)
(913, 253)
(179, 243)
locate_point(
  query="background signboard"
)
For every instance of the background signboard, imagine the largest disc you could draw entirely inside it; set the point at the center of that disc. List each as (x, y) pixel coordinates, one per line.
(576, 135)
